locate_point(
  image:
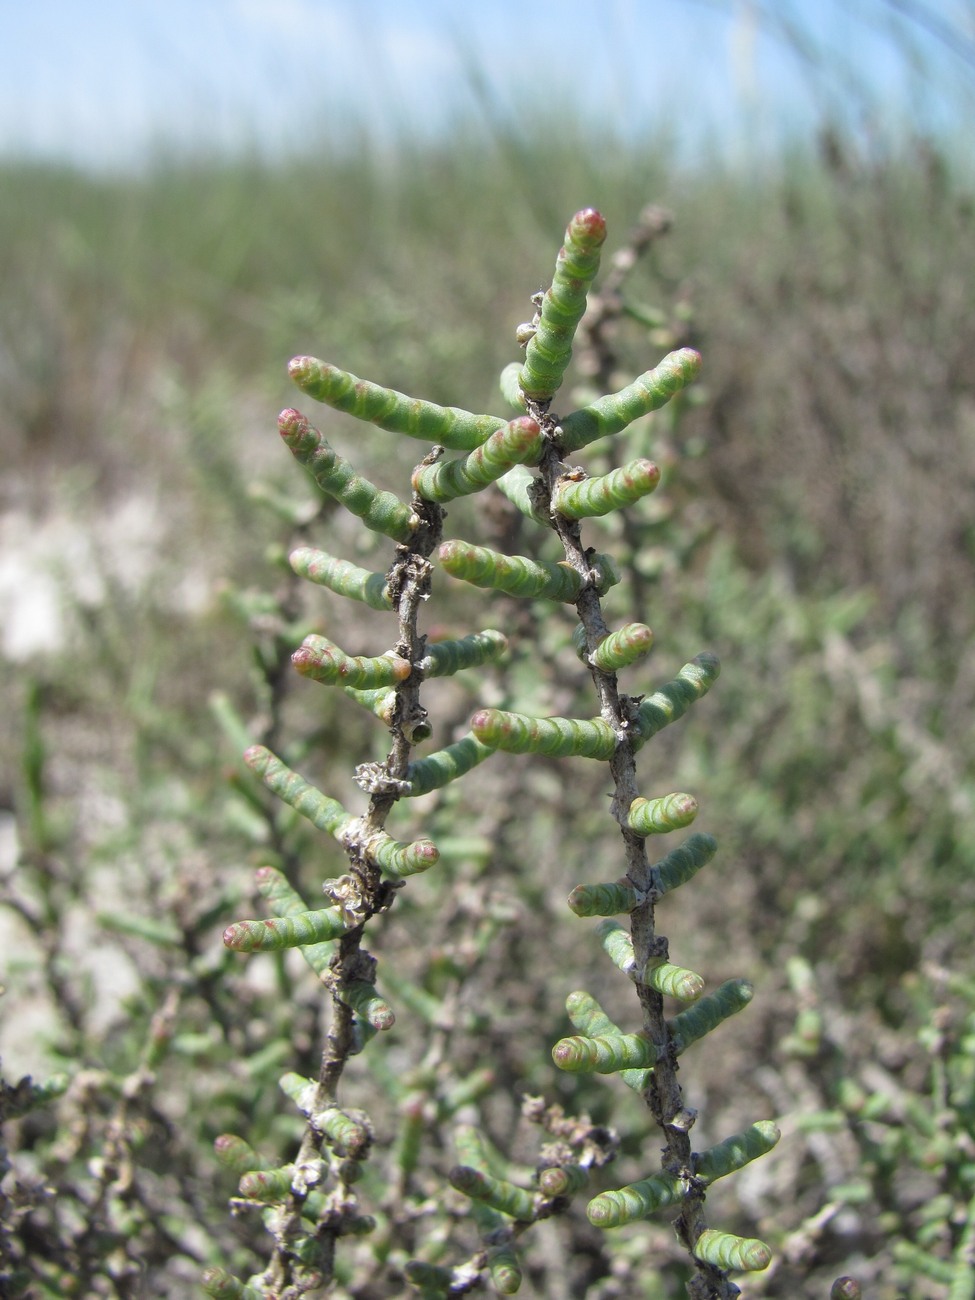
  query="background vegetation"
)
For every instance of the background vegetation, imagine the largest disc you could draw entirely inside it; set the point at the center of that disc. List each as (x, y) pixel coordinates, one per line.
(815, 528)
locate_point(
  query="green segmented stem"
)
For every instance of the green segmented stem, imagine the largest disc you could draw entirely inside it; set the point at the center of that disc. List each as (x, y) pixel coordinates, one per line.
(922, 1263)
(348, 1136)
(504, 1269)
(283, 898)
(496, 1235)
(287, 931)
(381, 511)
(604, 900)
(736, 1152)
(475, 1086)
(324, 813)
(432, 1279)
(631, 644)
(290, 511)
(509, 381)
(285, 901)
(300, 1090)
(406, 1153)
(501, 1195)
(962, 1282)
(562, 1180)
(604, 1054)
(472, 1146)
(231, 723)
(588, 1016)
(380, 701)
(592, 1021)
(614, 412)
(658, 816)
(518, 576)
(273, 1187)
(517, 443)
(517, 486)
(673, 700)
(444, 658)
(393, 856)
(362, 1225)
(323, 661)
(588, 498)
(140, 927)
(627, 1204)
(690, 1025)
(269, 1186)
(236, 1155)
(617, 945)
(682, 863)
(439, 769)
(395, 412)
(423, 1004)
(726, 1251)
(674, 981)
(400, 859)
(368, 1004)
(221, 1285)
(550, 348)
(557, 737)
(475, 1149)
(342, 577)
(513, 574)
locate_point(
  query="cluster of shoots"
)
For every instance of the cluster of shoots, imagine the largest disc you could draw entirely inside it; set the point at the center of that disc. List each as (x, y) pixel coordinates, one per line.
(311, 1203)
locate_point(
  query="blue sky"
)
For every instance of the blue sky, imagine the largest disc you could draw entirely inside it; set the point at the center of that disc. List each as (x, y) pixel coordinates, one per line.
(108, 81)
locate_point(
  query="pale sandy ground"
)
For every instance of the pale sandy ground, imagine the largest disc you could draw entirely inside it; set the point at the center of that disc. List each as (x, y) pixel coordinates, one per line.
(46, 565)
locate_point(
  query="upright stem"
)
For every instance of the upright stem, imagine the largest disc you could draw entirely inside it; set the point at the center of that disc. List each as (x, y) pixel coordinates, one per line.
(663, 1092)
(409, 580)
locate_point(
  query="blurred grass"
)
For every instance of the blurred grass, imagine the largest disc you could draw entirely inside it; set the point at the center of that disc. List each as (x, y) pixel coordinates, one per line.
(831, 292)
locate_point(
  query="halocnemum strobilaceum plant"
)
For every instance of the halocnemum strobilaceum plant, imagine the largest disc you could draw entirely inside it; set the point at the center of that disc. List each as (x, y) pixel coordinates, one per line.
(345, 1211)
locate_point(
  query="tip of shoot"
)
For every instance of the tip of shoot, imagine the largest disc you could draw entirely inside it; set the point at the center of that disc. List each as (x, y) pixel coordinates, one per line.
(690, 360)
(291, 422)
(233, 935)
(708, 660)
(588, 227)
(602, 1213)
(304, 659)
(255, 756)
